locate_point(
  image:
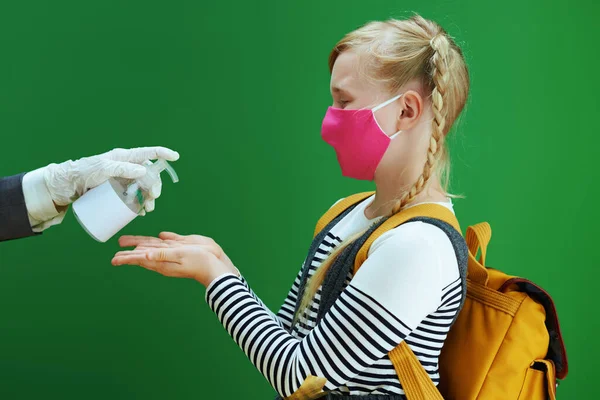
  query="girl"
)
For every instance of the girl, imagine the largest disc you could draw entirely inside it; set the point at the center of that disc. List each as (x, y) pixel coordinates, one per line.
(397, 88)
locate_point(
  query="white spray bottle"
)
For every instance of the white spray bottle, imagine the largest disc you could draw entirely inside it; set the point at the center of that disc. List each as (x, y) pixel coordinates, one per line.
(106, 209)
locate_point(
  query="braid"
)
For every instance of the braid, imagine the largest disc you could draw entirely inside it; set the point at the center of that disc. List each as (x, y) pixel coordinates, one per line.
(439, 76)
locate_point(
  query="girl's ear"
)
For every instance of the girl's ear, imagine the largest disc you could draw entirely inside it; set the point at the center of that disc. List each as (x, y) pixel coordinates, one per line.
(411, 108)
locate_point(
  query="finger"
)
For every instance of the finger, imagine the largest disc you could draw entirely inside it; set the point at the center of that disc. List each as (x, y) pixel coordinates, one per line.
(165, 255)
(137, 251)
(156, 189)
(141, 249)
(141, 154)
(131, 259)
(165, 153)
(191, 239)
(120, 169)
(142, 261)
(151, 247)
(170, 236)
(130, 240)
(149, 205)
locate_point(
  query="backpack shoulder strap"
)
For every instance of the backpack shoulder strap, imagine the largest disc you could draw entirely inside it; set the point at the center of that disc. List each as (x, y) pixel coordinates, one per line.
(339, 208)
(435, 211)
(415, 381)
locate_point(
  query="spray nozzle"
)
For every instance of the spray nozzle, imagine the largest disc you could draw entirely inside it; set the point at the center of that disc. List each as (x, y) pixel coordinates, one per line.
(161, 165)
(152, 175)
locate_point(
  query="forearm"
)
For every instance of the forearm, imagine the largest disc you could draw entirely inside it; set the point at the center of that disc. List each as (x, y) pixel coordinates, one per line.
(351, 337)
(285, 314)
(275, 317)
(251, 327)
(14, 222)
(41, 209)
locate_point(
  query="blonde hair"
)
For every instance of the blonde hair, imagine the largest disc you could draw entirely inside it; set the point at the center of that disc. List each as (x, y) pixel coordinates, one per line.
(395, 52)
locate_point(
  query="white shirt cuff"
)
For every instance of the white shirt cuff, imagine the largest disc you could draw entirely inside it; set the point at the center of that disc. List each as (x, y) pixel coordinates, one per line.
(40, 207)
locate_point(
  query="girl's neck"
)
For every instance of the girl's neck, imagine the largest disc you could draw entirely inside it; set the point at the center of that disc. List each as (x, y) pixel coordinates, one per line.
(386, 198)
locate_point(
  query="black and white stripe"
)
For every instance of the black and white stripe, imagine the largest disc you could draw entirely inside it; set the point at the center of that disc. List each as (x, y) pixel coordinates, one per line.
(349, 347)
(286, 312)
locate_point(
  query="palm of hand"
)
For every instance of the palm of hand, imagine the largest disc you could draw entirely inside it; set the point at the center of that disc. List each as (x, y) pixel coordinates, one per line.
(193, 256)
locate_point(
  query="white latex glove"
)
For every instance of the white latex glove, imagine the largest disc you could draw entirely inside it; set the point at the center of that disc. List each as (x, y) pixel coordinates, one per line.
(69, 180)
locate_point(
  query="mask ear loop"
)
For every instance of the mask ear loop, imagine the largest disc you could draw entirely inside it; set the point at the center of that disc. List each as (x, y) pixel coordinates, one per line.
(385, 103)
(395, 134)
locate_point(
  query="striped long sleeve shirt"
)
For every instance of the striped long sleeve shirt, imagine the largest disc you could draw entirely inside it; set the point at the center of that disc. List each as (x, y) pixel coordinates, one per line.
(408, 289)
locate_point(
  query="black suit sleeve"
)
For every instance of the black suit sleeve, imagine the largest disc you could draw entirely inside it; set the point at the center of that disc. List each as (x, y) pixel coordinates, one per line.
(14, 222)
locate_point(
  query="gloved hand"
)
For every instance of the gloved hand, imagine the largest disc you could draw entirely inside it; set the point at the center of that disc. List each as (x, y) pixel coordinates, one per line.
(71, 179)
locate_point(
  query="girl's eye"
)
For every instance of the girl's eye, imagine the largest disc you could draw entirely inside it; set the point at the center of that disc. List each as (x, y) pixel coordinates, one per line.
(344, 102)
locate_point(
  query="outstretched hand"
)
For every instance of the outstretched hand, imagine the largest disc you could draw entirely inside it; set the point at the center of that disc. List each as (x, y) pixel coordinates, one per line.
(170, 254)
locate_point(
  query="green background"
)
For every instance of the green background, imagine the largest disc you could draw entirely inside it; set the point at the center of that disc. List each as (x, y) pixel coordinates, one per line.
(240, 89)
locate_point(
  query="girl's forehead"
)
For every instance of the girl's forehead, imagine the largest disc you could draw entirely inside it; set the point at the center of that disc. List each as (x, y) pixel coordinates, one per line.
(344, 75)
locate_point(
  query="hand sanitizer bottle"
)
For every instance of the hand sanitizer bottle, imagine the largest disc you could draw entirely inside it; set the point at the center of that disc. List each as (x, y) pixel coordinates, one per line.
(106, 209)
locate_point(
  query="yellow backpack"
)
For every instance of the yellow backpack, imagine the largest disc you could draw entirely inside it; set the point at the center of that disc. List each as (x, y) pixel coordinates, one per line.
(505, 344)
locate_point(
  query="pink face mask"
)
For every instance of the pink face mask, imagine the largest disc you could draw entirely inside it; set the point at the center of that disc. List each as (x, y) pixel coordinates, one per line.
(358, 140)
